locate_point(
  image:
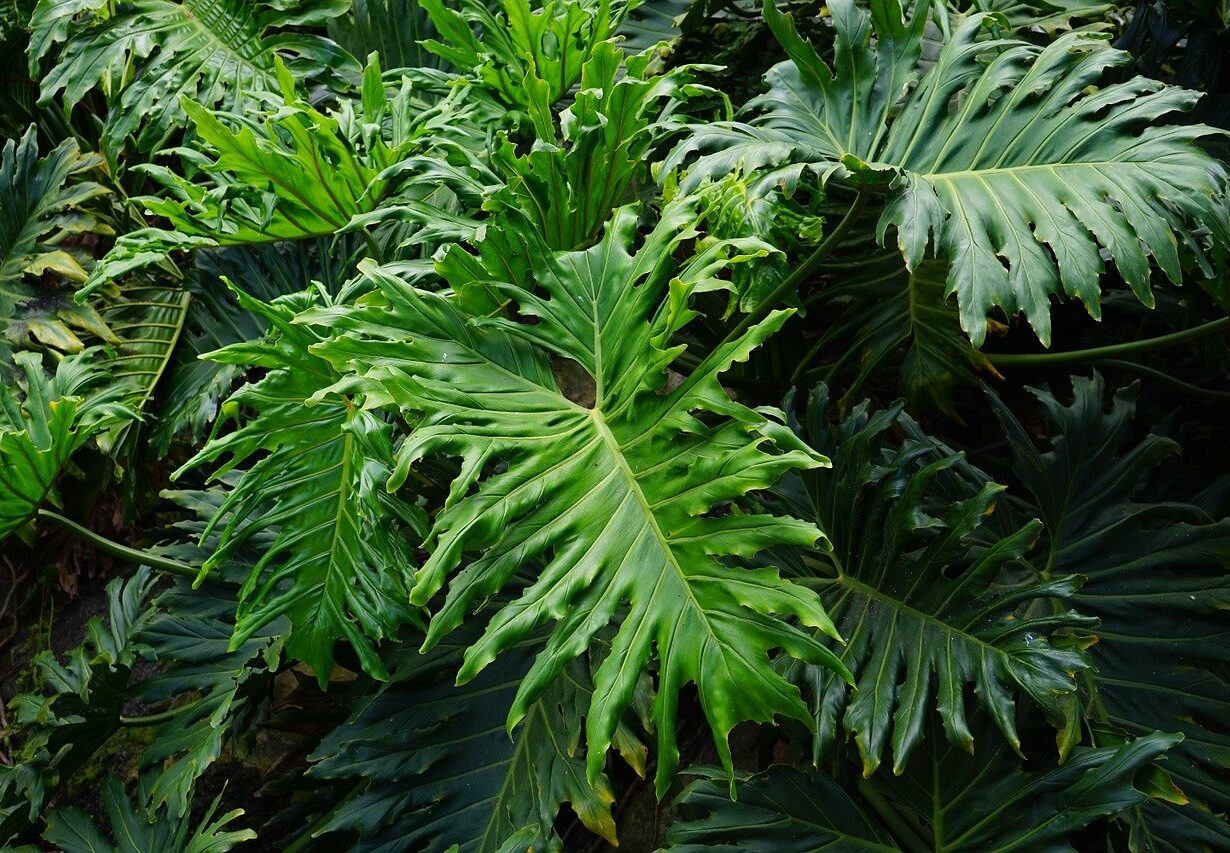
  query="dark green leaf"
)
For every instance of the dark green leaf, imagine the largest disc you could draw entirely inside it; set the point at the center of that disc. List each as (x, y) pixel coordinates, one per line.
(1000, 160)
(891, 316)
(392, 28)
(1157, 580)
(967, 803)
(988, 801)
(784, 808)
(927, 601)
(77, 706)
(439, 768)
(141, 828)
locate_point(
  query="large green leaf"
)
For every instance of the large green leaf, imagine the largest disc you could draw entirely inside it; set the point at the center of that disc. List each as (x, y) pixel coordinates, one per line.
(216, 690)
(338, 565)
(966, 803)
(927, 601)
(438, 768)
(140, 827)
(40, 432)
(44, 201)
(1157, 580)
(999, 159)
(608, 496)
(211, 52)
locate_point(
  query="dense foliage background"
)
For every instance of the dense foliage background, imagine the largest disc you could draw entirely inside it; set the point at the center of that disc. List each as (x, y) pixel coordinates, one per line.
(539, 425)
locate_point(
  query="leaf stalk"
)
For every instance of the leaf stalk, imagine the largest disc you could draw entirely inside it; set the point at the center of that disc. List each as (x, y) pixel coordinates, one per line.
(803, 271)
(133, 555)
(159, 718)
(907, 836)
(1032, 359)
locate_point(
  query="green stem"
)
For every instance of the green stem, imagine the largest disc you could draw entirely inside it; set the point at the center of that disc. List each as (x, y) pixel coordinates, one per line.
(806, 361)
(133, 555)
(1162, 376)
(889, 815)
(802, 272)
(1112, 351)
(306, 838)
(373, 248)
(797, 277)
(157, 719)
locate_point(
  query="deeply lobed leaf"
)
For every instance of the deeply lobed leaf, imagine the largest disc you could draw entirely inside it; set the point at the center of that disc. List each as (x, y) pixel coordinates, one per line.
(999, 158)
(1157, 582)
(986, 801)
(336, 567)
(212, 52)
(928, 601)
(439, 770)
(628, 503)
(140, 826)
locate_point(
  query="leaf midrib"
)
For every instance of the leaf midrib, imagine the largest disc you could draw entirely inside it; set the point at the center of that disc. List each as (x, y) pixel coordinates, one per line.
(1013, 170)
(651, 520)
(897, 604)
(201, 21)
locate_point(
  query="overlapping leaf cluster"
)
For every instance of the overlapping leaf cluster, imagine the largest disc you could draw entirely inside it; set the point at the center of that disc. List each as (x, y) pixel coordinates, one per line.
(484, 343)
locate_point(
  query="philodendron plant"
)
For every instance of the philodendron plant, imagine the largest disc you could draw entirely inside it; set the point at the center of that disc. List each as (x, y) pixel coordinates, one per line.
(533, 439)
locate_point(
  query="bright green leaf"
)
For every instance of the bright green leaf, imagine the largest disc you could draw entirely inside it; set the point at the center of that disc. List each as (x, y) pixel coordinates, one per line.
(607, 505)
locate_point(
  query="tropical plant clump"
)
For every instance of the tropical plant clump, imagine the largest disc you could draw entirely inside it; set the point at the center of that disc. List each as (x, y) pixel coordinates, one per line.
(554, 424)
